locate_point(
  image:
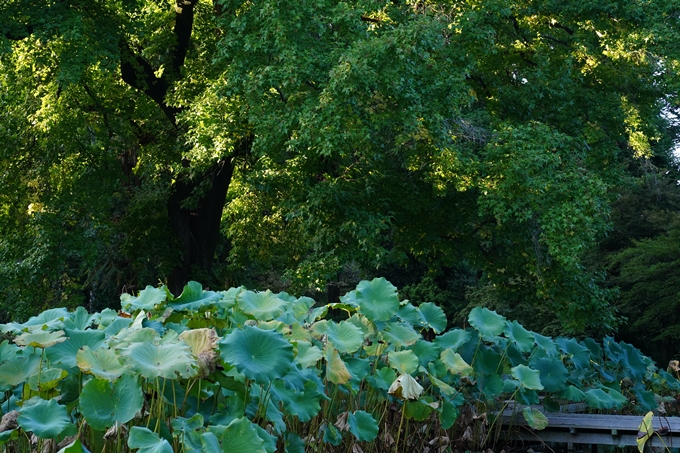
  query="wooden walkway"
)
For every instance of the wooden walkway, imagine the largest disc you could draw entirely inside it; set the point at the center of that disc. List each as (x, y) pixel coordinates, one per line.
(595, 429)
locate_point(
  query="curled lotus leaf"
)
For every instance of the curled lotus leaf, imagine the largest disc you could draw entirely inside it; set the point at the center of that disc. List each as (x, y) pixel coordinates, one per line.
(194, 298)
(405, 387)
(40, 339)
(18, 370)
(455, 363)
(147, 299)
(336, 369)
(240, 436)
(516, 333)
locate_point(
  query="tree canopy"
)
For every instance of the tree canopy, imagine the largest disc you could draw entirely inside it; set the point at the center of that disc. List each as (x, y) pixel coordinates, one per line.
(172, 140)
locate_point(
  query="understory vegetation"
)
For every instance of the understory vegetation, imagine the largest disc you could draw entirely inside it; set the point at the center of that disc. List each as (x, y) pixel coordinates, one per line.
(241, 371)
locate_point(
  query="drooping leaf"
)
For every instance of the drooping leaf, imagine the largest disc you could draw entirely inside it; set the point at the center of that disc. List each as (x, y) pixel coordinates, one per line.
(147, 299)
(44, 418)
(645, 431)
(363, 426)
(47, 320)
(167, 360)
(488, 323)
(377, 299)
(406, 388)
(455, 363)
(336, 370)
(571, 393)
(104, 403)
(147, 441)
(535, 418)
(405, 362)
(262, 355)
(102, 363)
(528, 378)
(344, 336)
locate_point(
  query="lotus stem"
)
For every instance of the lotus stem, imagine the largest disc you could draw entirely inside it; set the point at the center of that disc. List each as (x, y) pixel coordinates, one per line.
(401, 423)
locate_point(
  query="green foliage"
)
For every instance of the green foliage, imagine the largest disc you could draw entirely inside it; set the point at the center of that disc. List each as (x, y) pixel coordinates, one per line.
(236, 379)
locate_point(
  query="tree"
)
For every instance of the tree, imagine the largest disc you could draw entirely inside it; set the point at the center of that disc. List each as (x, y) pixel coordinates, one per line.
(485, 133)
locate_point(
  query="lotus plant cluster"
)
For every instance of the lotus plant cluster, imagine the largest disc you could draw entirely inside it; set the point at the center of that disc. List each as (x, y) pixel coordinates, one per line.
(257, 372)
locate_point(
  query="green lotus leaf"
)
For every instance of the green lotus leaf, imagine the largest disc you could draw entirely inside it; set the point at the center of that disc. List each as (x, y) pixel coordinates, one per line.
(117, 325)
(425, 351)
(147, 299)
(433, 316)
(344, 336)
(270, 440)
(9, 351)
(378, 299)
(383, 378)
(443, 387)
(409, 313)
(488, 323)
(453, 339)
(262, 305)
(293, 443)
(44, 418)
(619, 399)
(419, 410)
(79, 320)
(47, 320)
(455, 363)
(241, 436)
(405, 388)
(18, 370)
(491, 385)
(193, 298)
(579, 355)
(307, 355)
(304, 405)
(363, 426)
(405, 362)
(104, 403)
(74, 447)
(645, 398)
(528, 378)
(147, 441)
(49, 379)
(599, 399)
(167, 360)
(516, 333)
(400, 335)
(102, 363)
(448, 415)
(545, 343)
(262, 355)
(336, 370)
(635, 363)
(9, 436)
(332, 435)
(553, 373)
(535, 418)
(487, 361)
(571, 393)
(40, 339)
(65, 352)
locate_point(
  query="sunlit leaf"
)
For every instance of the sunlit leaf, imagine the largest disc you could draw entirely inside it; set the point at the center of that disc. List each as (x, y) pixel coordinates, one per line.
(47, 320)
(49, 379)
(377, 299)
(103, 363)
(40, 339)
(336, 370)
(193, 298)
(65, 352)
(645, 431)
(455, 363)
(167, 360)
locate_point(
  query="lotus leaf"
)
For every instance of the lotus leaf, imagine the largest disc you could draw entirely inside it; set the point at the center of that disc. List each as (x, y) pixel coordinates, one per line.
(293, 443)
(8, 351)
(147, 441)
(240, 436)
(118, 324)
(405, 362)
(443, 387)
(103, 363)
(377, 299)
(535, 418)
(455, 363)
(74, 447)
(400, 335)
(344, 336)
(79, 320)
(453, 339)
(270, 440)
(307, 355)
(488, 323)
(336, 369)
(65, 352)
(383, 378)
(487, 361)
(104, 403)
(409, 313)
(147, 299)
(263, 306)
(516, 333)
(406, 388)
(599, 399)
(545, 343)
(571, 393)
(528, 378)
(18, 370)
(49, 379)
(425, 351)
(166, 360)
(363, 426)
(419, 410)
(448, 415)
(553, 373)
(579, 355)
(194, 299)
(259, 354)
(44, 418)
(47, 320)
(305, 405)
(491, 385)
(433, 316)
(332, 435)
(41, 339)
(645, 431)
